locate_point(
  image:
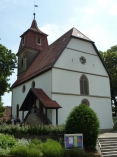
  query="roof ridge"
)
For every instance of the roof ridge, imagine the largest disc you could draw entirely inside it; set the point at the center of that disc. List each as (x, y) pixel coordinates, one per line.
(60, 37)
(81, 35)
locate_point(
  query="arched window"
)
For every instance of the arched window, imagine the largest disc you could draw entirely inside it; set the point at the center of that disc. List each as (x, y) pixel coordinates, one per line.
(33, 84)
(84, 85)
(23, 88)
(85, 101)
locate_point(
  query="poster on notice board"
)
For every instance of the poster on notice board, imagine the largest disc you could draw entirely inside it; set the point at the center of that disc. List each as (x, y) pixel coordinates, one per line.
(73, 140)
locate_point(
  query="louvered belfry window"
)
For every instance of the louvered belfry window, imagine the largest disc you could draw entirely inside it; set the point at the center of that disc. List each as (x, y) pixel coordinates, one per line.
(84, 85)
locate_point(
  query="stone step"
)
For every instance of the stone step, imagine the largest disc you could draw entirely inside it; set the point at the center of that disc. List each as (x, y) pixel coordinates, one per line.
(108, 149)
(108, 139)
(108, 155)
(108, 144)
(33, 120)
(103, 142)
(110, 152)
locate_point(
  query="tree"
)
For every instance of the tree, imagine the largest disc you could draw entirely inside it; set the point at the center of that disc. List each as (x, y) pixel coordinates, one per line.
(110, 59)
(7, 63)
(2, 109)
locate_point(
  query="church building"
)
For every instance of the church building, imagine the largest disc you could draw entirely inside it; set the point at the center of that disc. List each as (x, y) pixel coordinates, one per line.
(53, 79)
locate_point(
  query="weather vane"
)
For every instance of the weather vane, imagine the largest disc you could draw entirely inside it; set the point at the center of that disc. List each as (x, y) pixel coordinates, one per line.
(34, 10)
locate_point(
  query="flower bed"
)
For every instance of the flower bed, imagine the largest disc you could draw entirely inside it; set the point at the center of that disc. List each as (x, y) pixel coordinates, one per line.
(12, 147)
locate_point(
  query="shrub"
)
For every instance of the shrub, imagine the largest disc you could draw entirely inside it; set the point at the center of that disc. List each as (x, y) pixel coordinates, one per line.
(52, 148)
(29, 130)
(57, 130)
(23, 142)
(83, 119)
(7, 141)
(115, 125)
(36, 141)
(24, 151)
(20, 151)
(75, 152)
(4, 152)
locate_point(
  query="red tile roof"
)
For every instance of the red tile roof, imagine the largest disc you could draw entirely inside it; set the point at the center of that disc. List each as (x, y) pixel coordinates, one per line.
(7, 114)
(40, 95)
(78, 34)
(47, 57)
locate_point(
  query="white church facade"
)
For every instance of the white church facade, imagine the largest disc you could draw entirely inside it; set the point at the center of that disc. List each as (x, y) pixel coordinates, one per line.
(53, 79)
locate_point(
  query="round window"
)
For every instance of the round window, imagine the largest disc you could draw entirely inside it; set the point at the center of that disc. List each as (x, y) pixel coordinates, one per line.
(85, 101)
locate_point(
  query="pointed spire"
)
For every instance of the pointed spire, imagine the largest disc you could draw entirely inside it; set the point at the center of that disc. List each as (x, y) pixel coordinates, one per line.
(34, 25)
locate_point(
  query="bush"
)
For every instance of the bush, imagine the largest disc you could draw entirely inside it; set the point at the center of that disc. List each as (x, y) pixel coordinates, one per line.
(83, 119)
(52, 148)
(29, 130)
(115, 125)
(7, 141)
(24, 151)
(75, 152)
(36, 141)
(23, 142)
(4, 152)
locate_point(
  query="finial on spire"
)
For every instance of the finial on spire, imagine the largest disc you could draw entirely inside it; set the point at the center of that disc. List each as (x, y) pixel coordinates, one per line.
(34, 10)
(34, 15)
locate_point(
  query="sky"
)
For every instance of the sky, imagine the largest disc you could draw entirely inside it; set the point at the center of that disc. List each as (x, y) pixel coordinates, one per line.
(96, 19)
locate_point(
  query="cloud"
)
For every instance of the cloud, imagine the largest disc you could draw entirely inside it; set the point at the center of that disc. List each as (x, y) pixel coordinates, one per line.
(54, 31)
(109, 5)
(101, 37)
(104, 3)
(113, 10)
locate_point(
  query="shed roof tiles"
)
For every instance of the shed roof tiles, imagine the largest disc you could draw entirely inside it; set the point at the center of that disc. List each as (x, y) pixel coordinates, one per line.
(41, 96)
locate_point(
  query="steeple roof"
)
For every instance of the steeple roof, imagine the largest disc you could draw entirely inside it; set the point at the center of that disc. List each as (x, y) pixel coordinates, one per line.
(34, 28)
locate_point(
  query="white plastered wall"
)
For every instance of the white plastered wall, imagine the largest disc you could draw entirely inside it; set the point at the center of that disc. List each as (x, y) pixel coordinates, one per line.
(43, 81)
(100, 105)
(66, 82)
(69, 59)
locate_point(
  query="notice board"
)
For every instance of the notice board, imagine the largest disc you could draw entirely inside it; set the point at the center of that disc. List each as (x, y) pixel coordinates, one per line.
(73, 140)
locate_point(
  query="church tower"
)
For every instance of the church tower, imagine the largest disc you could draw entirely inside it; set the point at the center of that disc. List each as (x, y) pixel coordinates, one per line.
(32, 42)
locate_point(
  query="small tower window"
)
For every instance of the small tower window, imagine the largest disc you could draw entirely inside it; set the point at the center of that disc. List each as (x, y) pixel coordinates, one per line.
(39, 40)
(23, 40)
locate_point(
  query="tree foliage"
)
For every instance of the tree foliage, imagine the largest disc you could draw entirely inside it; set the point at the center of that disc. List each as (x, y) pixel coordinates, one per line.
(83, 119)
(2, 109)
(7, 64)
(110, 59)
